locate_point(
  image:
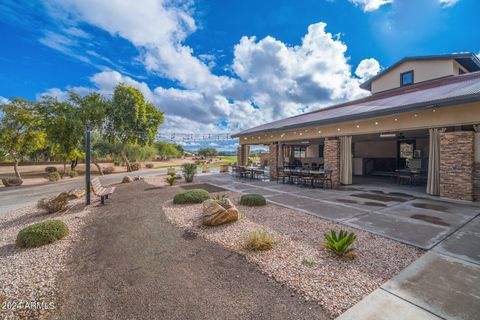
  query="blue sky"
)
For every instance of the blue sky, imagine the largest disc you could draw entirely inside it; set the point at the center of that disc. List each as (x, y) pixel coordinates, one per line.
(222, 66)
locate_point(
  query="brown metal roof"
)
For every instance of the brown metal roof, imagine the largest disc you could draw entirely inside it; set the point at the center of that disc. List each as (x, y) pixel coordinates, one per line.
(436, 93)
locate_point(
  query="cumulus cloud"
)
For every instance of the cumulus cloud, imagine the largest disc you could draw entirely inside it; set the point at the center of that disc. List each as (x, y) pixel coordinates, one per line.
(448, 3)
(270, 79)
(3, 100)
(372, 5)
(367, 68)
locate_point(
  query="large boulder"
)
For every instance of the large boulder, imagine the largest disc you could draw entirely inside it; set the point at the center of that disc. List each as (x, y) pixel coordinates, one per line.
(217, 213)
(127, 179)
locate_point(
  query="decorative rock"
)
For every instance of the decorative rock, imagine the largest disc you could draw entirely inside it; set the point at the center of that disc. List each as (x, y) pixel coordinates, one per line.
(76, 194)
(137, 178)
(216, 214)
(127, 179)
(12, 182)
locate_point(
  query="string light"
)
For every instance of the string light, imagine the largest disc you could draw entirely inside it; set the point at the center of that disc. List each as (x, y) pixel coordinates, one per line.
(376, 123)
(396, 119)
(338, 129)
(358, 126)
(415, 115)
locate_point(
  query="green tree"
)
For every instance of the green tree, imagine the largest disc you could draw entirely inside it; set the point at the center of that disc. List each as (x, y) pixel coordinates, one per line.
(137, 152)
(166, 150)
(20, 130)
(208, 152)
(64, 130)
(131, 120)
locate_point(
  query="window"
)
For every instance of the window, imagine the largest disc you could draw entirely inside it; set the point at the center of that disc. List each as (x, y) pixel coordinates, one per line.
(299, 152)
(406, 78)
(320, 150)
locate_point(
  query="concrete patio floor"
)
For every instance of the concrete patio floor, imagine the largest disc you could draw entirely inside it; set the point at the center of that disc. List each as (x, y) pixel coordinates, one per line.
(442, 284)
(393, 211)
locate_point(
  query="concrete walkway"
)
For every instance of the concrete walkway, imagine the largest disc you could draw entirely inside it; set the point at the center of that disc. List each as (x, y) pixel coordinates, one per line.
(443, 284)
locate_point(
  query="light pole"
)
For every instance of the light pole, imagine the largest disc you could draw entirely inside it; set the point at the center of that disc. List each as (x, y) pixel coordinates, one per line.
(87, 165)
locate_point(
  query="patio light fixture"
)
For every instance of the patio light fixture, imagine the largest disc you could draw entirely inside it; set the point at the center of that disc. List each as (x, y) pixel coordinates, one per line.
(388, 135)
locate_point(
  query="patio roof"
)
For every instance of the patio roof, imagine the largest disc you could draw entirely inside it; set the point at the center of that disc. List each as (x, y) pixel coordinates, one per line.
(432, 94)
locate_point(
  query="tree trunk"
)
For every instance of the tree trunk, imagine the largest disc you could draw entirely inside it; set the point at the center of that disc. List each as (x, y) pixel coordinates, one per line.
(125, 159)
(98, 167)
(64, 168)
(73, 164)
(15, 168)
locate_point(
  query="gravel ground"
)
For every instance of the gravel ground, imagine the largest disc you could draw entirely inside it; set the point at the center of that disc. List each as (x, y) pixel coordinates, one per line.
(28, 276)
(336, 283)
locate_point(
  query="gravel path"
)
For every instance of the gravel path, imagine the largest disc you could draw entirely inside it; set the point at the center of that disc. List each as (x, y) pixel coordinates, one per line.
(28, 276)
(336, 283)
(134, 264)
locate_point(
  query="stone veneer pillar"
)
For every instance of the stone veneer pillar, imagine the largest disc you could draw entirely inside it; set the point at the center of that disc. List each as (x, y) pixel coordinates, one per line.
(476, 175)
(457, 165)
(331, 160)
(273, 160)
(242, 155)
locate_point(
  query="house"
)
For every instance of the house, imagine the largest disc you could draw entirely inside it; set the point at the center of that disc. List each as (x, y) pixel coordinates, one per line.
(423, 114)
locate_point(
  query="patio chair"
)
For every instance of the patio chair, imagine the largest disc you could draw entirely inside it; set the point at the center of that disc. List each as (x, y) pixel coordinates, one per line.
(325, 179)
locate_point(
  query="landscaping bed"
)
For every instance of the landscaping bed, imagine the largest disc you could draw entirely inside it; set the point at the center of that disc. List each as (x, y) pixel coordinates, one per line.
(28, 275)
(298, 258)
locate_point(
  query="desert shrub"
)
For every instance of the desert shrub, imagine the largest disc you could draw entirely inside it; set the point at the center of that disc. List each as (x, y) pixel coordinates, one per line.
(170, 180)
(42, 233)
(340, 244)
(189, 170)
(253, 200)
(258, 240)
(149, 166)
(51, 169)
(12, 182)
(191, 196)
(309, 262)
(54, 176)
(54, 204)
(172, 174)
(135, 166)
(108, 170)
(73, 173)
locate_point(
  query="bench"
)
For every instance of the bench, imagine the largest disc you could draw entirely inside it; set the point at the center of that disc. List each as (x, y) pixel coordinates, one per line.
(100, 190)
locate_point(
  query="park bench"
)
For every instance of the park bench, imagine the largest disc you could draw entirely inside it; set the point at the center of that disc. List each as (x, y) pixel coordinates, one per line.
(101, 191)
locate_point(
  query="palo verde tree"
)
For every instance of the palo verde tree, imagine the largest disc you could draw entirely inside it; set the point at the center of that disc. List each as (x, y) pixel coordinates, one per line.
(131, 119)
(20, 130)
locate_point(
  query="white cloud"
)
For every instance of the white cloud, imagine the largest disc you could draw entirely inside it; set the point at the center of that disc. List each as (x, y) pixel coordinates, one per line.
(271, 79)
(448, 3)
(372, 5)
(367, 68)
(3, 100)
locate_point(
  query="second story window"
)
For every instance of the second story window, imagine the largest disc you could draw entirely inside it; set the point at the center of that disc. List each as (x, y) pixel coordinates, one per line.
(406, 78)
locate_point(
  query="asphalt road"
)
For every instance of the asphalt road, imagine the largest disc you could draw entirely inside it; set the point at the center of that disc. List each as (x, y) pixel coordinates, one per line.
(17, 197)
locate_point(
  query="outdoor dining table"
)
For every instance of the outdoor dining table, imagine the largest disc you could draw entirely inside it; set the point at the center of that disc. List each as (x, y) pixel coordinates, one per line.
(252, 170)
(411, 174)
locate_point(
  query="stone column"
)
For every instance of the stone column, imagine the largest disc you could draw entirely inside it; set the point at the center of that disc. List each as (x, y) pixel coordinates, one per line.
(476, 175)
(331, 159)
(273, 160)
(242, 155)
(457, 165)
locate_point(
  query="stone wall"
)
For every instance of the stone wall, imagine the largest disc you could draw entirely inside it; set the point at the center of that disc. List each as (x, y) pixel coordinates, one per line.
(273, 160)
(331, 158)
(457, 165)
(476, 182)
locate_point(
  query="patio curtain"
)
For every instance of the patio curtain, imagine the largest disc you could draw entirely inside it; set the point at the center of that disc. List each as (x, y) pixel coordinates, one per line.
(433, 179)
(346, 160)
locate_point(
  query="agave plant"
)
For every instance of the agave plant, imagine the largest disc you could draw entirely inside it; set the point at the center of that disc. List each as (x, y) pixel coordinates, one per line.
(340, 244)
(219, 197)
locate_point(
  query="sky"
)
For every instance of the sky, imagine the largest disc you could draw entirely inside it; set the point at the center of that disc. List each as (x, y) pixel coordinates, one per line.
(222, 66)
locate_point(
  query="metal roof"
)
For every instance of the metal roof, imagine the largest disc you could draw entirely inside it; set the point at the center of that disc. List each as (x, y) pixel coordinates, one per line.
(467, 60)
(436, 93)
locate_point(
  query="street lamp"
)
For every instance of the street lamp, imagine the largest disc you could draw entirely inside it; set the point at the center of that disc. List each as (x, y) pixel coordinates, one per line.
(87, 165)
